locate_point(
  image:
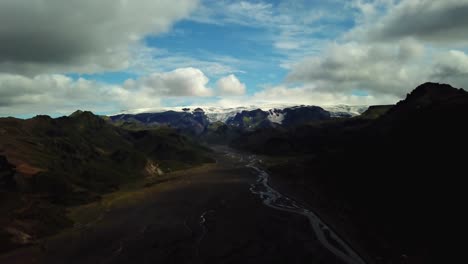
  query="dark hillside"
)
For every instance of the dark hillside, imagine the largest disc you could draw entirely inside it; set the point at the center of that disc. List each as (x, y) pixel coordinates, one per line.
(397, 176)
(47, 164)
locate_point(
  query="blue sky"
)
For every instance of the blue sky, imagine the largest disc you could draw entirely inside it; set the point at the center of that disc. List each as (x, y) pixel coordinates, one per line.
(140, 55)
(252, 47)
(255, 62)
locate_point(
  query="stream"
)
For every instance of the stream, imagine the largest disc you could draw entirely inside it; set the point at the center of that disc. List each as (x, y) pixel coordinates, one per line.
(274, 199)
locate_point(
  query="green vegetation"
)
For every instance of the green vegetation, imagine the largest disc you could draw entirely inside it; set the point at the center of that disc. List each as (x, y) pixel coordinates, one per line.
(376, 111)
(247, 120)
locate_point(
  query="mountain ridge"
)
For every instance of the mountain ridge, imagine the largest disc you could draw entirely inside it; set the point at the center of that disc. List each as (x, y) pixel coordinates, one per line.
(48, 164)
(196, 122)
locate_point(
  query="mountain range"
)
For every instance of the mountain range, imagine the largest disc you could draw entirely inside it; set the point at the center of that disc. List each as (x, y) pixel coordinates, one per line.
(199, 121)
(222, 114)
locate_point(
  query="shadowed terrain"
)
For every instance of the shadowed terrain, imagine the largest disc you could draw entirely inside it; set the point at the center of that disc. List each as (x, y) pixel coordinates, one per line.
(389, 178)
(203, 215)
(48, 164)
(381, 187)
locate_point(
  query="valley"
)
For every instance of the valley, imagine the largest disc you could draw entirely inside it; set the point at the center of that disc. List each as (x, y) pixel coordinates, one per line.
(233, 132)
(202, 215)
(284, 185)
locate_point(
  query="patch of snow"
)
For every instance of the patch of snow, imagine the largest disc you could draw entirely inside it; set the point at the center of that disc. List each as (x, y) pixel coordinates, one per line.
(275, 116)
(353, 110)
(218, 113)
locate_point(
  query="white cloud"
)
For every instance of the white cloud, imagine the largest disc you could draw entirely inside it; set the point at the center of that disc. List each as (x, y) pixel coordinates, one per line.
(393, 69)
(451, 66)
(230, 85)
(85, 36)
(395, 46)
(283, 96)
(352, 66)
(60, 94)
(180, 82)
(310, 95)
(55, 94)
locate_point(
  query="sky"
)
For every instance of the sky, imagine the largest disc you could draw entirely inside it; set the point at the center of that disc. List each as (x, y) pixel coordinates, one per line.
(110, 56)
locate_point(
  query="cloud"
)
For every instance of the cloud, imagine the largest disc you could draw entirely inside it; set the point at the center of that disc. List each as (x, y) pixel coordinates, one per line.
(451, 66)
(146, 60)
(293, 28)
(60, 95)
(85, 36)
(281, 95)
(410, 49)
(55, 94)
(395, 46)
(180, 82)
(230, 85)
(287, 45)
(353, 66)
(393, 69)
(434, 21)
(310, 95)
(252, 14)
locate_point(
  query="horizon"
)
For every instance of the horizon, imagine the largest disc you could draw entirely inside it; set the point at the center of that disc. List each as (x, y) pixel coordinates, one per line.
(207, 109)
(108, 56)
(216, 109)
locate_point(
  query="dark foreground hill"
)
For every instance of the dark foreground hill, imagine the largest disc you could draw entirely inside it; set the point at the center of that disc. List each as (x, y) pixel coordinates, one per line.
(47, 164)
(394, 175)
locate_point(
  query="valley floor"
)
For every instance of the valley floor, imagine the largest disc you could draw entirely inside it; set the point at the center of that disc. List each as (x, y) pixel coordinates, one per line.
(203, 215)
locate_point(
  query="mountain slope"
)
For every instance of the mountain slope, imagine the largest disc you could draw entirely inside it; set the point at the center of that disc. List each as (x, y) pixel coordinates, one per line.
(192, 123)
(47, 164)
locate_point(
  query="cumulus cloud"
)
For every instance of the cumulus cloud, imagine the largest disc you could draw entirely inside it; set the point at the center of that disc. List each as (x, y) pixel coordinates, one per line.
(80, 36)
(60, 94)
(395, 46)
(379, 69)
(353, 66)
(230, 85)
(451, 66)
(180, 82)
(55, 94)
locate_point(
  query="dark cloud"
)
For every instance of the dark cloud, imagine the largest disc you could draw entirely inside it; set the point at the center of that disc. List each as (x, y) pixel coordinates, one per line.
(428, 20)
(83, 36)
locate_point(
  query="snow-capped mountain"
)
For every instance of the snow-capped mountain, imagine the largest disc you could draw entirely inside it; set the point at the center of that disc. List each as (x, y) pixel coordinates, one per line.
(276, 115)
(201, 120)
(343, 110)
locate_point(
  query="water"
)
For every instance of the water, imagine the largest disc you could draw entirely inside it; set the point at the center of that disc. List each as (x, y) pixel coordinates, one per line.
(274, 199)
